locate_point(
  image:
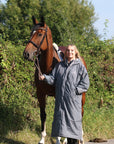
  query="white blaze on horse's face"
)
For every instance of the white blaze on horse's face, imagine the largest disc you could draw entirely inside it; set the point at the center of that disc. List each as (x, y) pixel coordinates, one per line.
(33, 34)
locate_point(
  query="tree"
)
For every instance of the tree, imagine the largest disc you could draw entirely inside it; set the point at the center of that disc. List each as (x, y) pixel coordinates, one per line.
(15, 19)
(69, 20)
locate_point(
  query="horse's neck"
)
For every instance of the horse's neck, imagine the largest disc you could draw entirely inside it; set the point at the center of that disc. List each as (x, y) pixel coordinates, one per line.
(48, 60)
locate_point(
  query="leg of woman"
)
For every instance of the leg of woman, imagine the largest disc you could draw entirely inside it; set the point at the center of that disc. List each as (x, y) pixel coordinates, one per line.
(72, 141)
(69, 140)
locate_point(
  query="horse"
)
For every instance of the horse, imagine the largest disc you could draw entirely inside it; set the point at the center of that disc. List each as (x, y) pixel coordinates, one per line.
(41, 46)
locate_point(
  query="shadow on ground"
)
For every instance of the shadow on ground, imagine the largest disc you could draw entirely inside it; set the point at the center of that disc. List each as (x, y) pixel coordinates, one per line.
(9, 141)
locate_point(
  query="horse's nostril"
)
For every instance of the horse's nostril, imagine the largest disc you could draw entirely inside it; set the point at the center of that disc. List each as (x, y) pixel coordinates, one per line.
(26, 55)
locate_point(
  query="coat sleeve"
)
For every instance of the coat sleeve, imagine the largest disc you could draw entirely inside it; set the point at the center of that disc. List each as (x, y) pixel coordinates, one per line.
(50, 79)
(84, 83)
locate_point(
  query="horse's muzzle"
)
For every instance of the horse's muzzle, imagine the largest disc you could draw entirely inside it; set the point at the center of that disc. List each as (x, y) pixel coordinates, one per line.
(26, 55)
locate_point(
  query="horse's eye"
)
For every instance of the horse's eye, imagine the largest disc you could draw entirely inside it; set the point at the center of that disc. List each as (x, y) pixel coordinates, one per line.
(39, 34)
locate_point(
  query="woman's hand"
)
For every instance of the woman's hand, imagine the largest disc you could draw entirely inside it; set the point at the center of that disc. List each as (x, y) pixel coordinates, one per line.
(41, 77)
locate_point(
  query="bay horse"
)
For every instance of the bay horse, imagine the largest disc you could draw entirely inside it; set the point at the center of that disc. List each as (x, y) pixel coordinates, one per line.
(41, 45)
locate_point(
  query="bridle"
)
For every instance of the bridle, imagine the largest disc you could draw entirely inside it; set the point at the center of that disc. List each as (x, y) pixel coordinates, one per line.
(39, 46)
(39, 49)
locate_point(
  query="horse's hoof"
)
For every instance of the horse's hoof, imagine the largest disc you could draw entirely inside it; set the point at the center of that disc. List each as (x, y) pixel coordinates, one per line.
(41, 143)
(64, 142)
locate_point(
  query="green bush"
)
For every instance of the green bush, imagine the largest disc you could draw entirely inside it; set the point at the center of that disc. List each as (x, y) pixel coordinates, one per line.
(18, 103)
(17, 94)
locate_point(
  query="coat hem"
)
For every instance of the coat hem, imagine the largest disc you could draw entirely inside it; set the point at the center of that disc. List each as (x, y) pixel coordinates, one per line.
(73, 137)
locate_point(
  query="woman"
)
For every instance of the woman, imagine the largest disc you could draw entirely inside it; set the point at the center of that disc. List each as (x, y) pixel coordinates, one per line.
(71, 80)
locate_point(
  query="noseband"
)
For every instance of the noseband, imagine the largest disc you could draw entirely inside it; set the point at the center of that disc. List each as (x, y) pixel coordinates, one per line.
(39, 46)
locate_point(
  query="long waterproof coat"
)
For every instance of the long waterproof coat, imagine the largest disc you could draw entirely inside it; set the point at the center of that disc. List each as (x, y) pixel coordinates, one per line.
(70, 81)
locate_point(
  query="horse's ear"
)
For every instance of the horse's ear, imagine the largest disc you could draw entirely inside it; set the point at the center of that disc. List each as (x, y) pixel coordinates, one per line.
(34, 20)
(43, 21)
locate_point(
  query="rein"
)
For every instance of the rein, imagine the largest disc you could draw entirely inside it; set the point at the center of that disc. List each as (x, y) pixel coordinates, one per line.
(39, 50)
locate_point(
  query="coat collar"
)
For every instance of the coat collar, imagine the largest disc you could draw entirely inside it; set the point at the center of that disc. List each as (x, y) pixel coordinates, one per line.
(76, 61)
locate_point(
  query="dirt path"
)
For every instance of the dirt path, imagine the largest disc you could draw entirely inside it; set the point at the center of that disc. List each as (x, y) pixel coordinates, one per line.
(110, 141)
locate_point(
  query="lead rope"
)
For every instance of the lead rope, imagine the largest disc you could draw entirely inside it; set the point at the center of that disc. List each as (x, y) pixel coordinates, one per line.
(38, 68)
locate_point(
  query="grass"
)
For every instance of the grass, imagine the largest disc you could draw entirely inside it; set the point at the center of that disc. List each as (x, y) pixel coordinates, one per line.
(20, 137)
(24, 137)
(97, 122)
(30, 135)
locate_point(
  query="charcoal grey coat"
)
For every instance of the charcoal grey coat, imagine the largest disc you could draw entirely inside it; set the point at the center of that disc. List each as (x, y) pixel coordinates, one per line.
(70, 81)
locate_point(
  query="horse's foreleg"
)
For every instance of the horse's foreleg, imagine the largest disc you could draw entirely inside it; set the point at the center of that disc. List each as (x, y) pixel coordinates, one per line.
(42, 104)
(43, 125)
(65, 141)
(58, 140)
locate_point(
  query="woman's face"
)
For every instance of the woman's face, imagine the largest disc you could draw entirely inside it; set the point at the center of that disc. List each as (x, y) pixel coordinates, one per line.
(70, 53)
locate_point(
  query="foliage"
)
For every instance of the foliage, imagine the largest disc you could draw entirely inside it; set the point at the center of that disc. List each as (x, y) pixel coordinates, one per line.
(99, 58)
(18, 104)
(15, 19)
(17, 90)
(69, 20)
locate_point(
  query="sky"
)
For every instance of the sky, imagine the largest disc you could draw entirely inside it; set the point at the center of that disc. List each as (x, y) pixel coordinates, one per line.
(104, 11)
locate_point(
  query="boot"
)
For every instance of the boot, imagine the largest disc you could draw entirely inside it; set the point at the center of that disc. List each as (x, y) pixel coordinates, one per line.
(72, 141)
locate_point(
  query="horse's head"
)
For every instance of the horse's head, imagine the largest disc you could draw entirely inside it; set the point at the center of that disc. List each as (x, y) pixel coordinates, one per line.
(40, 40)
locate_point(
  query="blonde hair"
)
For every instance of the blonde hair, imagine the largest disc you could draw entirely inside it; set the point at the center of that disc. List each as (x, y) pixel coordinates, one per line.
(77, 55)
